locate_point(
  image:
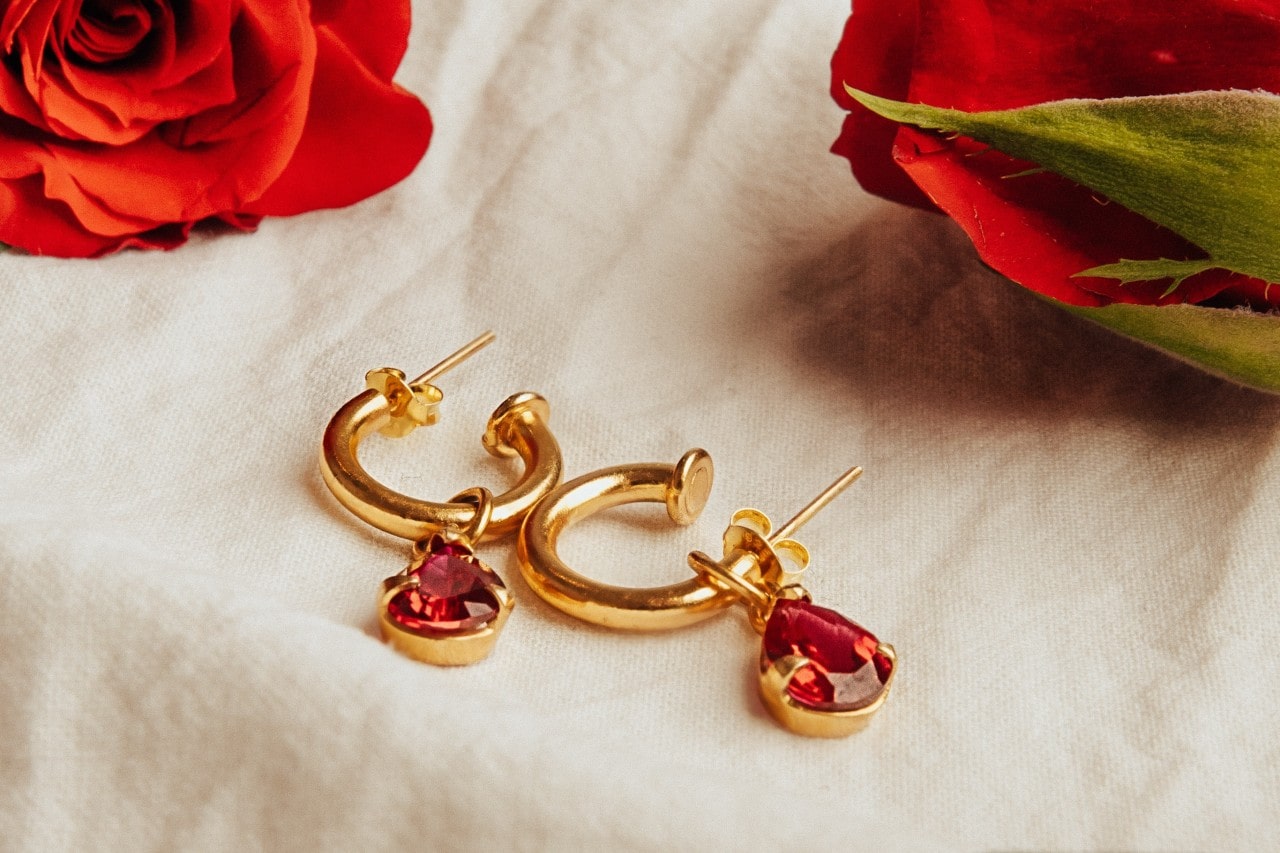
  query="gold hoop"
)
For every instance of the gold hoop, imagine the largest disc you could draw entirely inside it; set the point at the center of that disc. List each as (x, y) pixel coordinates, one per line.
(683, 487)
(518, 427)
(761, 568)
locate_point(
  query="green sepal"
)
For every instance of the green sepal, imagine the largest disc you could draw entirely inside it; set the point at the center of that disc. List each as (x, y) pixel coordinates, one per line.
(1130, 271)
(1238, 344)
(1205, 165)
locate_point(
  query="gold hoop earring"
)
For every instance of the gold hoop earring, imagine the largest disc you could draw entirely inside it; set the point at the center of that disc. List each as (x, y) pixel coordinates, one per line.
(446, 607)
(820, 674)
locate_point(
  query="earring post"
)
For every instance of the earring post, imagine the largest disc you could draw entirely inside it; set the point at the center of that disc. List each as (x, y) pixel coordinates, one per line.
(829, 494)
(456, 358)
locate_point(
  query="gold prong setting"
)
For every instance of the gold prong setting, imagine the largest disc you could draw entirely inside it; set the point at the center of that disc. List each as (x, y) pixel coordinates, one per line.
(776, 676)
(820, 674)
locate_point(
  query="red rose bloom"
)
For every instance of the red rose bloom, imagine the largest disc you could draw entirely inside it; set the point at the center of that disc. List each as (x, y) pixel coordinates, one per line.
(125, 122)
(1040, 230)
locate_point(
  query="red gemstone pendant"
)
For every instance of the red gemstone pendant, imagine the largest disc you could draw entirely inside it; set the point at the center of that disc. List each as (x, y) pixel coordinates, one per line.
(455, 594)
(447, 608)
(848, 669)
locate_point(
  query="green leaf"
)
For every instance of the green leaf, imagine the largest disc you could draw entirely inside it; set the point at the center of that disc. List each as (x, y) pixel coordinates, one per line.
(1205, 165)
(1241, 345)
(1130, 271)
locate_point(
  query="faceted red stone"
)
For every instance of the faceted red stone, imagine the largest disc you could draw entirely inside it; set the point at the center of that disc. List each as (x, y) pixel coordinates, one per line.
(845, 671)
(454, 594)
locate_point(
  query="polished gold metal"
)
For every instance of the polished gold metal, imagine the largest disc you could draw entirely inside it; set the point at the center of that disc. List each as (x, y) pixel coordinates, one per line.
(683, 488)
(394, 407)
(775, 678)
(830, 493)
(446, 649)
(759, 567)
(753, 567)
(414, 404)
(449, 362)
(482, 499)
(443, 650)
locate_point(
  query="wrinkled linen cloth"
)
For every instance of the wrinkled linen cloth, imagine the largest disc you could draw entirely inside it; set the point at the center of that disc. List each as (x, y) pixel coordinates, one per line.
(1071, 540)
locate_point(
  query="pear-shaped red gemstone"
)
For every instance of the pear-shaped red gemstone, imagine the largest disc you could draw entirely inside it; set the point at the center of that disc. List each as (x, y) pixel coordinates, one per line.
(846, 670)
(454, 594)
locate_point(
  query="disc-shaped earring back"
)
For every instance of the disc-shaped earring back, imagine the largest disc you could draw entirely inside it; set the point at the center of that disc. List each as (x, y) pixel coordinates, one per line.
(683, 488)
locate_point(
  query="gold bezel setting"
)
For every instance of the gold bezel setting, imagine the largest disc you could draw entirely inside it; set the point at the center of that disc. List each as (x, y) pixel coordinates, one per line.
(775, 679)
(441, 648)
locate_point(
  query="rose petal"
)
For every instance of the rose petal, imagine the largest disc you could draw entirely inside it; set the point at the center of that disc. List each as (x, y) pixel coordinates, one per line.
(362, 135)
(275, 61)
(219, 161)
(378, 41)
(186, 68)
(875, 55)
(14, 15)
(976, 55)
(16, 101)
(1007, 220)
(107, 30)
(997, 54)
(165, 172)
(32, 36)
(30, 222)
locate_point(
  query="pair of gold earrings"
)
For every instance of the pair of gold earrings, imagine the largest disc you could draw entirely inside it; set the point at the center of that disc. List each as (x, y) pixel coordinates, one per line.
(819, 673)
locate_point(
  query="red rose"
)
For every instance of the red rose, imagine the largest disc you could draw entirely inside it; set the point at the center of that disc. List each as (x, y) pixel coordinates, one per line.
(125, 122)
(1040, 230)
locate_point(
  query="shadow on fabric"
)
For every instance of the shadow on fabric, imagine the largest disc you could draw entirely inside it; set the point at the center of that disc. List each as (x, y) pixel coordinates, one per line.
(903, 311)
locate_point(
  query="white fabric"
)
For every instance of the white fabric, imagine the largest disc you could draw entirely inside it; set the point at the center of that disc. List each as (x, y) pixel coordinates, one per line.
(1071, 540)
